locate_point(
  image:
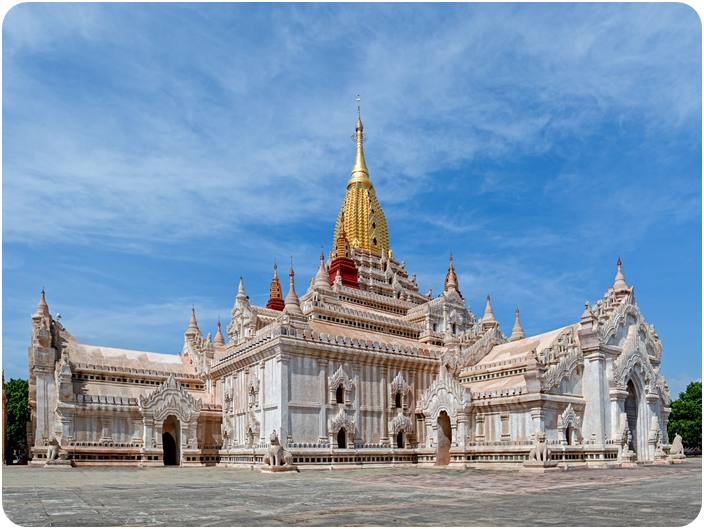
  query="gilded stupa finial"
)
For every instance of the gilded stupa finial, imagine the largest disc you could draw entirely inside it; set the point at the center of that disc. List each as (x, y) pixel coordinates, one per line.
(451, 277)
(360, 173)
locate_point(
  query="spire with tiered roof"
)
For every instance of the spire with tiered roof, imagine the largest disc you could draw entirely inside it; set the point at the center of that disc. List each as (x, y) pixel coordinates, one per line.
(361, 216)
(517, 331)
(342, 264)
(322, 279)
(42, 307)
(219, 338)
(276, 299)
(620, 286)
(193, 329)
(488, 320)
(292, 304)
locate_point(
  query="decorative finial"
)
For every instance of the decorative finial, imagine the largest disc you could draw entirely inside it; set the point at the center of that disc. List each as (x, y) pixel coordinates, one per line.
(620, 281)
(275, 294)
(290, 271)
(359, 112)
(488, 320)
(193, 324)
(219, 338)
(517, 331)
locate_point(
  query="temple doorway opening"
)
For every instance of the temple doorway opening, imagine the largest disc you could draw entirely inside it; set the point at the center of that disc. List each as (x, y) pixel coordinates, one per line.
(631, 406)
(444, 439)
(342, 438)
(399, 440)
(170, 441)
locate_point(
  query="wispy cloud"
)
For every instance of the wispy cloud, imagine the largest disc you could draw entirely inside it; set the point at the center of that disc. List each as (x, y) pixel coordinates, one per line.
(532, 141)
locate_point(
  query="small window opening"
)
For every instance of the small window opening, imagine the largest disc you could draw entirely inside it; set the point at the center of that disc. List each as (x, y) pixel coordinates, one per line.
(399, 440)
(340, 395)
(398, 400)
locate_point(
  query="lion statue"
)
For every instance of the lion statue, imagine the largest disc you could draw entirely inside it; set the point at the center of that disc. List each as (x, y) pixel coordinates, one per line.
(540, 452)
(276, 456)
(52, 452)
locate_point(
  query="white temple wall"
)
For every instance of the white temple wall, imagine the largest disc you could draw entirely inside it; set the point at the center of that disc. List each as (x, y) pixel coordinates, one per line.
(520, 425)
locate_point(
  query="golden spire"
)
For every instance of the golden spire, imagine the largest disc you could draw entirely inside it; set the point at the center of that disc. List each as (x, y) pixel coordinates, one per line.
(275, 288)
(360, 173)
(364, 221)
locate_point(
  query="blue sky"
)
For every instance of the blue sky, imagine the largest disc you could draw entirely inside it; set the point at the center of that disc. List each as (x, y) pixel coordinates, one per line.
(153, 153)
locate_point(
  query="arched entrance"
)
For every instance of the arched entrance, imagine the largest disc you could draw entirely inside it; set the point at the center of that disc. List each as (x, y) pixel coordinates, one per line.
(444, 439)
(170, 441)
(400, 442)
(631, 406)
(342, 438)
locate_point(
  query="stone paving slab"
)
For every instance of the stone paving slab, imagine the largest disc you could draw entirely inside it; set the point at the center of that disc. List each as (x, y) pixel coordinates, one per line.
(668, 495)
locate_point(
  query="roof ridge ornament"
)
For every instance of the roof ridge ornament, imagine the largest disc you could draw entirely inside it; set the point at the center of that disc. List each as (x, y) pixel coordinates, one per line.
(620, 285)
(517, 331)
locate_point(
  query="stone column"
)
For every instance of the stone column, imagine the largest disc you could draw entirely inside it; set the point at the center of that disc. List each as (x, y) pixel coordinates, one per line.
(262, 400)
(357, 374)
(618, 399)
(383, 388)
(593, 382)
(480, 437)
(322, 398)
(538, 416)
(282, 360)
(105, 427)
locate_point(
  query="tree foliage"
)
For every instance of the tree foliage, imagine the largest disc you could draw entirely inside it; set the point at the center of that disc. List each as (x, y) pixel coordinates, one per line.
(686, 416)
(17, 391)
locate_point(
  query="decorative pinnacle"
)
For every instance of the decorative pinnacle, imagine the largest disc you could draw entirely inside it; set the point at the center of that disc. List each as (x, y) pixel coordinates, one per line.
(488, 320)
(517, 331)
(360, 173)
(620, 281)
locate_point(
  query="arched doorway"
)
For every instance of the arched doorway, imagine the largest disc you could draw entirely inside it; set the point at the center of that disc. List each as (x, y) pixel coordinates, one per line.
(400, 440)
(444, 439)
(170, 441)
(631, 406)
(342, 438)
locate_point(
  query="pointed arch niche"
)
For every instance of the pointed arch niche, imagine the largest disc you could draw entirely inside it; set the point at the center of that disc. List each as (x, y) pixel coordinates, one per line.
(172, 410)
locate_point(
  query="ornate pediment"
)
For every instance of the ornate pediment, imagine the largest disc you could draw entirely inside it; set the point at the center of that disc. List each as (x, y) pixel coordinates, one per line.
(634, 356)
(399, 385)
(623, 314)
(446, 394)
(339, 421)
(400, 422)
(569, 416)
(340, 379)
(171, 398)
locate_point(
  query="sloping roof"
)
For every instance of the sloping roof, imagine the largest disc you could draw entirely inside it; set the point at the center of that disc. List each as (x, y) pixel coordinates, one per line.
(521, 348)
(365, 334)
(125, 358)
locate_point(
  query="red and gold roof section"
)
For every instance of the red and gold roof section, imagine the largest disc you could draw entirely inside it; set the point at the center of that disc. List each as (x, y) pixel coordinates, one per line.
(276, 300)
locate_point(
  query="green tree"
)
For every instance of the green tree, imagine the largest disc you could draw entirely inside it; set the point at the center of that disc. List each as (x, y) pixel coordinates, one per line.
(686, 416)
(17, 391)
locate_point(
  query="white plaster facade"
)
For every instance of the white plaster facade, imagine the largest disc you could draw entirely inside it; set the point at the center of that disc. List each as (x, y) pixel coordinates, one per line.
(375, 375)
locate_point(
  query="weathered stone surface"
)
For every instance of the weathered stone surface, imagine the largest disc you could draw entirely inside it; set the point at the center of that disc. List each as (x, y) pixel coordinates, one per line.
(645, 496)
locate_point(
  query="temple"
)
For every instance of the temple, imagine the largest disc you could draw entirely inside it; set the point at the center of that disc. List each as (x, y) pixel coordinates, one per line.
(361, 370)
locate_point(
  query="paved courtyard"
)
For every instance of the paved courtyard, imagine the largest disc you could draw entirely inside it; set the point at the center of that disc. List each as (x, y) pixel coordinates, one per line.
(647, 496)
